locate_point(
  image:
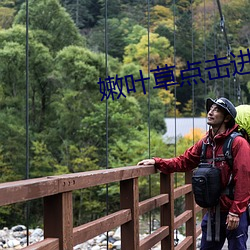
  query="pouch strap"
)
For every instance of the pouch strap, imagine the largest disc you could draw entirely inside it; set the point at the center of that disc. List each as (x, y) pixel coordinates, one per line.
(217, 222)
(209, 226)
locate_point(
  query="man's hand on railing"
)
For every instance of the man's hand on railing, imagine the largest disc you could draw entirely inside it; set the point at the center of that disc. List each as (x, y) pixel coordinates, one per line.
(146, 162)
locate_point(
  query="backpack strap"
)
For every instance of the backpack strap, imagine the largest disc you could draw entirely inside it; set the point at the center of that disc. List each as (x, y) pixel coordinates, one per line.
(203, 152)
(227, 148)
(227, 151)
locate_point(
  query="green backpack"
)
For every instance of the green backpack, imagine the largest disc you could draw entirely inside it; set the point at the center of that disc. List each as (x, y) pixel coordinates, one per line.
(243, 120)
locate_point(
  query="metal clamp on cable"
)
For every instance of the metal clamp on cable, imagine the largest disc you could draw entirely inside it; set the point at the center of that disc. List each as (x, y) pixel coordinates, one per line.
(222, 24)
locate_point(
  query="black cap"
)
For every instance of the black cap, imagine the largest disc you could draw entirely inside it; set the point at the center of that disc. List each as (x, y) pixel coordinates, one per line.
(223, 103)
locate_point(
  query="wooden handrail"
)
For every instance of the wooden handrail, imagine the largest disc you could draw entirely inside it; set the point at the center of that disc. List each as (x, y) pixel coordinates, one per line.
(58, 208)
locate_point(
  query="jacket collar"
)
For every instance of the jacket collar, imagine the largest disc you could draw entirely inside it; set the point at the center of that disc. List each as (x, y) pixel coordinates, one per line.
(221, 136)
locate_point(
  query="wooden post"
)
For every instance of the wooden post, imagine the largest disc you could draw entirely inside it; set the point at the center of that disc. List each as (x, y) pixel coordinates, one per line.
(129, 198)
(190, 205)
(167, 210)
(58, 219)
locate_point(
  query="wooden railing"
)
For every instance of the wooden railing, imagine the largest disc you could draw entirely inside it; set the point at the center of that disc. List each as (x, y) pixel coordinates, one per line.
(59, 232)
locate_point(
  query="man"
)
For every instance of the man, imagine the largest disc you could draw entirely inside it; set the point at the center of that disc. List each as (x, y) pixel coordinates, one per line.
(221, 115)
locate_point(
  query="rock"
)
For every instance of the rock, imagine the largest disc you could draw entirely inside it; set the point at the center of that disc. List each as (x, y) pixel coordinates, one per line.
(117, 234)
(91, 242)
(18, 228)
(18, 247)
(111, 233)
(18, 234)
(23, 240)
(13, 243)
(103, 243)
(95, 248)
(81, 246)
(3, 233)
(100, 238)
(117, 244)
(16, 238)
(111, 239)
(38, 232)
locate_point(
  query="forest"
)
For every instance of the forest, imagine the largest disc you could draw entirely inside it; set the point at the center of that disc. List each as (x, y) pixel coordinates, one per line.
(73, 47)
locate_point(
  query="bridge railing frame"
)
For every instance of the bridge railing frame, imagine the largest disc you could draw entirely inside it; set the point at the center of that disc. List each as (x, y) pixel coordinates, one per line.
(56, 192)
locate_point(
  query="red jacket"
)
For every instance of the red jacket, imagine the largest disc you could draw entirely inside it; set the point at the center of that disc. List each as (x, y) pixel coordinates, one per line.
(241, 167)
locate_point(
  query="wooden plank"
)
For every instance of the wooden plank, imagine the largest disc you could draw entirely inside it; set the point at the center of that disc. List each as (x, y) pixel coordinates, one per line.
(198, 231)
(185, 244)
(98, 177)
(129, 195)
(190, 205)
(58, 219)
(178, 192)
(198, 209)
(167, 210)
(152, 203)
(154, 238)
(46, 244)
(182, 218)
(24, 190)
(90, 230)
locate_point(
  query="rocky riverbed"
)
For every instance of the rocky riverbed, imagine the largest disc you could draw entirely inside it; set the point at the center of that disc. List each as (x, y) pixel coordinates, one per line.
(16, 238)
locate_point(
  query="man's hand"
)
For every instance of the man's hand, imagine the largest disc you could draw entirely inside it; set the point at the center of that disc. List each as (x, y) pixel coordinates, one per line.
(146, 162)
(232, 221)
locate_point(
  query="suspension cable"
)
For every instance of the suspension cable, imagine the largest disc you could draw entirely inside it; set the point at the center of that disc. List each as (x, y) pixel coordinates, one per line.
(237, 88)
(223, 27)
(175, 92)
(205, 47)
(107, 134)
(215, 43)
(149, 120)
(27, 207)
(192, 28)
(175, 106)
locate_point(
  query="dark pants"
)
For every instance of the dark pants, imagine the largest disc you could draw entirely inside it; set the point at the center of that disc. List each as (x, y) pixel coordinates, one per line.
(237, 238)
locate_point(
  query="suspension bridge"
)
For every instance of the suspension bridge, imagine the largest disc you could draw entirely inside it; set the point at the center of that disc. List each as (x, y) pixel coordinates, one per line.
(56, 192)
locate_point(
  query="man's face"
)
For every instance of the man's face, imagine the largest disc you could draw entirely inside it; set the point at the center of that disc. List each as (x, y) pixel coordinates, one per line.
(215, 116)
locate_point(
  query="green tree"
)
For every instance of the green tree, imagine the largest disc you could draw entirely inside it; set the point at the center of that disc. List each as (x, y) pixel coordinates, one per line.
(6, 17)
(139, 52)
(13, 60)
(53, 25)
(84, 13)
(118, 33)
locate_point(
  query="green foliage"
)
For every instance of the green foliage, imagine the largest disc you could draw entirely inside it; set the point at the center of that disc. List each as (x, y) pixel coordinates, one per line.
(81, 160)
(12, 68)
(84, 13)
(6, 17)
(12, 149)
(79, 69)
(42, 162)
(119, 31)
(123, 120)
(53, 25)
(139, 52)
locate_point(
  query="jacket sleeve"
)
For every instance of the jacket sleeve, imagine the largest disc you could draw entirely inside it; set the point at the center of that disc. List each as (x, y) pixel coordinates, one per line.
(241, 175)
(185, 162)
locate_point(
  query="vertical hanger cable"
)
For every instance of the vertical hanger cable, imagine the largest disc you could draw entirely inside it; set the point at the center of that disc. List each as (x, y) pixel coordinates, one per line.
(107, 125)
(27, 207)
(149, 121)
(193, 97)
(175, 104)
